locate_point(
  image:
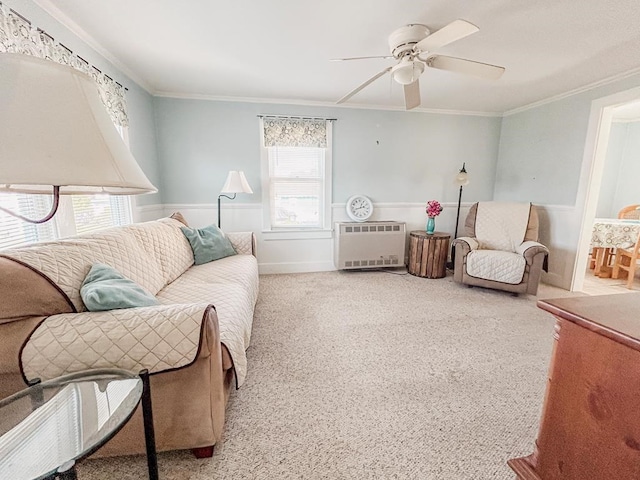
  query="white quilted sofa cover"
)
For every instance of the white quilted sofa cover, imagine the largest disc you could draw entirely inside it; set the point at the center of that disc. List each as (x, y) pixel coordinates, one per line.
(157, 256)
(500, 230)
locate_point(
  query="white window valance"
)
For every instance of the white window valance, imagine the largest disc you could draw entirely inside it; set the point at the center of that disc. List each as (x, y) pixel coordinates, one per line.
(17, 35)
(294, 132)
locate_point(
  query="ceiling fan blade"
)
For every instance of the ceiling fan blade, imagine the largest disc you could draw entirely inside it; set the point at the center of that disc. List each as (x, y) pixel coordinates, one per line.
(468, 67)
(412, 95)
(356, 90)
(359, 58)
(450, 33)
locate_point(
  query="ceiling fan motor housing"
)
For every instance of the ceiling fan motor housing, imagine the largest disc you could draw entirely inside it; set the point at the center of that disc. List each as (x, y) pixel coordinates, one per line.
(402, 40)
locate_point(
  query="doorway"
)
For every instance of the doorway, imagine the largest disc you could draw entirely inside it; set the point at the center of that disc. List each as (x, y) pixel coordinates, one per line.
(608, 127)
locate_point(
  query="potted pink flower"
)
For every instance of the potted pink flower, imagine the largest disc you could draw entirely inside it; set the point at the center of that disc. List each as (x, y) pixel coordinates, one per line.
(433, 210)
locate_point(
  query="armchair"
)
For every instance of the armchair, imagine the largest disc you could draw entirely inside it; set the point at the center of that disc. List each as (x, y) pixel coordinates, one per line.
(500, 249)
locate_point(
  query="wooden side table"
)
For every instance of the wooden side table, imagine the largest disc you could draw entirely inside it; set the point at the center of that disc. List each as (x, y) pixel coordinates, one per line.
(428, 254)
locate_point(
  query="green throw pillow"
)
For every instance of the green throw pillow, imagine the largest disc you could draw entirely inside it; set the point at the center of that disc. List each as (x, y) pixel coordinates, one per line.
(104, 288)
(208, 243)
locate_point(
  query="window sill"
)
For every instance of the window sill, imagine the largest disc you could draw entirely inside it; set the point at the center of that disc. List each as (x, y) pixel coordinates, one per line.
(296, 234)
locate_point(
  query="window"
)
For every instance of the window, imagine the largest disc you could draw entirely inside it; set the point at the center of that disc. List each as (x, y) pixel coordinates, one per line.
(77, 214)
(15, 232)
(296, 173)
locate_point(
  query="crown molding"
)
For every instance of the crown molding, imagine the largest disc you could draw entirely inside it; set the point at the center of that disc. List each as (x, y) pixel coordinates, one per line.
(49, 7)
(308, 103)
(575, 91)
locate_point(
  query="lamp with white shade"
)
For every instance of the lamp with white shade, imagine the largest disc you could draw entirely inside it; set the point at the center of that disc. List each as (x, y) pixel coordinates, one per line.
(56, 136)
(236, 183)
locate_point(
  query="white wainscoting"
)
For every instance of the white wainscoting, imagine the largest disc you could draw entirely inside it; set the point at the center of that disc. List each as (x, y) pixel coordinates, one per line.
(295, 255)
(559, 231)
(559, 227)
(146, 213)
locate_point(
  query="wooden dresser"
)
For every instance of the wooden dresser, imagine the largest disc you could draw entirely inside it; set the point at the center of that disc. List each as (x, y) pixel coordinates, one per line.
(590, 426)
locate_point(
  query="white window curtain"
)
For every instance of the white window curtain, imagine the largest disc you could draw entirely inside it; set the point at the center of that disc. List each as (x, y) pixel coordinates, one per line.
(296, 170)
(18, 35)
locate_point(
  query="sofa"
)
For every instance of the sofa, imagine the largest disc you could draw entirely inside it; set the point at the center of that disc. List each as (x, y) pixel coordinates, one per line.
(501, 249)
(193, 343)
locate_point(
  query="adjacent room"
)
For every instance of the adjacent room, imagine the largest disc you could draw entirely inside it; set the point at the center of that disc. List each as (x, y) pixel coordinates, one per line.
(352, 240)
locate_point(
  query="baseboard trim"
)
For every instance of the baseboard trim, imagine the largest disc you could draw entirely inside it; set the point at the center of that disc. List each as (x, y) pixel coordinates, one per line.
(295, 267)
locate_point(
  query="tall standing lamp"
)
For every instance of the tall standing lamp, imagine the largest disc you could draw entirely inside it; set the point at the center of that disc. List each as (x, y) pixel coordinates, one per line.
(462, 180)
(56, 136)
(236, 183)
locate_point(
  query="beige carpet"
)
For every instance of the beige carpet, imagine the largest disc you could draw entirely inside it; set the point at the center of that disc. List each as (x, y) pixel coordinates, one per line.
(369, 375)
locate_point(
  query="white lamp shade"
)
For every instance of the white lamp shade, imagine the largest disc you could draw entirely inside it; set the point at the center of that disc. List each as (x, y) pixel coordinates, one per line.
(54, 130)
(462, 179)
(236, 183)
(406, 72)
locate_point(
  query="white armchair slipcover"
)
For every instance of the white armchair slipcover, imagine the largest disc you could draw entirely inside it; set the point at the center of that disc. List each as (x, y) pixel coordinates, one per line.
(501, 249)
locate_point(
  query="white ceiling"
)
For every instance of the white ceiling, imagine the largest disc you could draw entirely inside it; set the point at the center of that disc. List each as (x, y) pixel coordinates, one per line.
(279, 50)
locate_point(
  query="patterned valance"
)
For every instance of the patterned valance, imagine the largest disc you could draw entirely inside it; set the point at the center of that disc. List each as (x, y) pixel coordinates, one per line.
(294, 132)
(17, 35)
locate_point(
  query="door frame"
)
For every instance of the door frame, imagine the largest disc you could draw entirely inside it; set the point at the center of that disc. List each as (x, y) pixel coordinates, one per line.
(593, 163)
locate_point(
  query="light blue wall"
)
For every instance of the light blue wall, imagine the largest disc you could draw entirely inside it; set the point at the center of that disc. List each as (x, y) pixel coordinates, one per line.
(611, 172)
(542, 149)
(391, 156)
(139, 102)
(628, 191)
(541, 153)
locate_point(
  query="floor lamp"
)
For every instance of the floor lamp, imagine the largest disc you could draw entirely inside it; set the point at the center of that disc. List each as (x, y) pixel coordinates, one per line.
(236, 183)
(462, 179)
(57, 137)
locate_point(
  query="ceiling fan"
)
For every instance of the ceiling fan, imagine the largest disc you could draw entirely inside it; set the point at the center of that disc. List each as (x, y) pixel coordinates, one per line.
(413, 46)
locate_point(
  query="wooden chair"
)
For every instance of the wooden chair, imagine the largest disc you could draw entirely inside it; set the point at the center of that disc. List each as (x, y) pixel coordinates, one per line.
(630, 212)
(627, 260)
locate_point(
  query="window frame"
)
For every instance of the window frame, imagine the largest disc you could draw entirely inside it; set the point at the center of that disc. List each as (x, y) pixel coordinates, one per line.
(296, 232)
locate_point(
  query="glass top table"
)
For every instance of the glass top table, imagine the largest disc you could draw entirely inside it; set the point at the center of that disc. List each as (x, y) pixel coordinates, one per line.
(46, 428)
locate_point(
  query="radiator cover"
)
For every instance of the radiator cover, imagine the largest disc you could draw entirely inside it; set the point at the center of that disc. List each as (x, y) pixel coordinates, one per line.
(369, 245)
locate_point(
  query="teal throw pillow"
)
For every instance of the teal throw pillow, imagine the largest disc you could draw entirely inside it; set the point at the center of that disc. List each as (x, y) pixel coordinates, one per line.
(104, 288)
(208, 243)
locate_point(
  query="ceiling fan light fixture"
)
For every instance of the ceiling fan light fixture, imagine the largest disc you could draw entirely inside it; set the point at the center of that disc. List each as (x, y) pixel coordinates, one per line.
(407, 71)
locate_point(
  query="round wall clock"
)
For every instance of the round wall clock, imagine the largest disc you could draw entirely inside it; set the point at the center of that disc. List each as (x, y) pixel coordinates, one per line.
(359, 208)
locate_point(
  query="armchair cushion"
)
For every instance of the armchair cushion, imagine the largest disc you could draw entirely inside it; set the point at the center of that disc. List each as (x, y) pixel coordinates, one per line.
(496, 265)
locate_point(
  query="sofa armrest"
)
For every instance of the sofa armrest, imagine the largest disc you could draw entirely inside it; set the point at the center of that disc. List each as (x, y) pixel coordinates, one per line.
(530, 249)
(243, 242)
(158, 338)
